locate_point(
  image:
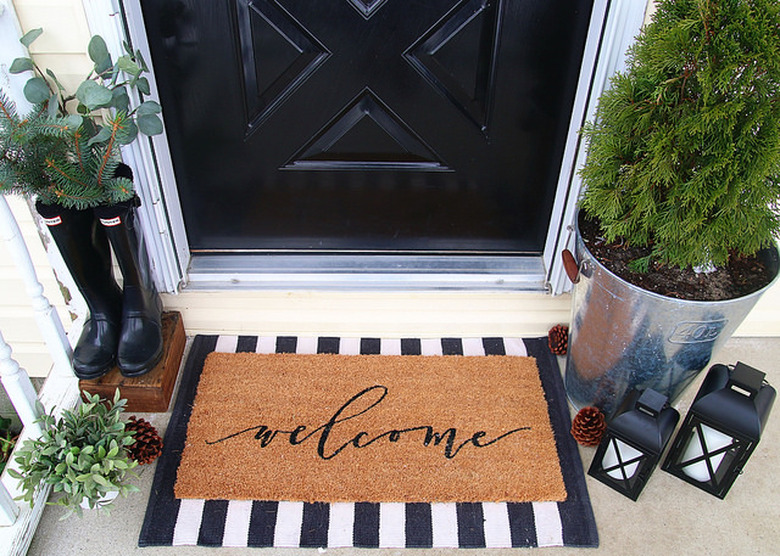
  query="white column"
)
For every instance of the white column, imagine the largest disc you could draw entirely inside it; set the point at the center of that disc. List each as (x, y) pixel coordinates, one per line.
(18, 522)
(15, 380)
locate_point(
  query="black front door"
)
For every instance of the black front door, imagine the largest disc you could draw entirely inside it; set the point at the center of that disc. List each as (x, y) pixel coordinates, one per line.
(386, 126)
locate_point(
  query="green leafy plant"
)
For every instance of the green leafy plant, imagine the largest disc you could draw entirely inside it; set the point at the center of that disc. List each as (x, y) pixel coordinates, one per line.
(66, 150)
(684, 152)
(7, 441)
(82, 455)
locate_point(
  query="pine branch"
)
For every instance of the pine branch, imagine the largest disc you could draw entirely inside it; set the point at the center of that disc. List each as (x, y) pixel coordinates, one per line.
(63, 173)
(79, 148)
(109, 152)
(8, 113)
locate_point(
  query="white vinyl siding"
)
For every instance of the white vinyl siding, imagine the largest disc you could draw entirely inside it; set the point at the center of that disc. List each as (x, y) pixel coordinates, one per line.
(63, 44)
(378, 314)
(17, 319)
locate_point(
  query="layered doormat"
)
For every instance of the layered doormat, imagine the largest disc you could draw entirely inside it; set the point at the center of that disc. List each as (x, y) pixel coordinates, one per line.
(366, 451)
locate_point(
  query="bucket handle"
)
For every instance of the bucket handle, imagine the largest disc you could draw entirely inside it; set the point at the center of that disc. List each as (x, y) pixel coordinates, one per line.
(574, 269)
(570, 266)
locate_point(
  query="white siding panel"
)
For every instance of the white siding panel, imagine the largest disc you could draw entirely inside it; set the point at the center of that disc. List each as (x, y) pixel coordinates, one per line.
(63, 22)
(399, 314)
(764, 319)
(63, 44)
(70, 69)
(17, 320)
(388, 314)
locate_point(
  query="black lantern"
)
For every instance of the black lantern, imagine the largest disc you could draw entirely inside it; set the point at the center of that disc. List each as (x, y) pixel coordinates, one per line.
(722, 428)
(634, 441)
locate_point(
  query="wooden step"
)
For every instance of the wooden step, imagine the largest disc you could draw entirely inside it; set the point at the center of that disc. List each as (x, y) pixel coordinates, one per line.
(152, 391)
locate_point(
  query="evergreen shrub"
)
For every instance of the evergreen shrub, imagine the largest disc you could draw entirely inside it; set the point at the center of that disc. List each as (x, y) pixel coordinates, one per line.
(684, 150)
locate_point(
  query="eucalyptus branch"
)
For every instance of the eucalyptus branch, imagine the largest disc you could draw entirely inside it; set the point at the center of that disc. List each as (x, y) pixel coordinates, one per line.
(70, 159)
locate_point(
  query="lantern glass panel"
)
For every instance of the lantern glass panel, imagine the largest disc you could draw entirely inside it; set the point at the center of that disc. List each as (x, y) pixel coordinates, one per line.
(620, 460)
(634, 440)
(722, 428)
(622, 466)
(703, 455)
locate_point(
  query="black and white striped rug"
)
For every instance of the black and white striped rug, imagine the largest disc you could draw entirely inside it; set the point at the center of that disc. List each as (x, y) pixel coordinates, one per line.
(240, 523)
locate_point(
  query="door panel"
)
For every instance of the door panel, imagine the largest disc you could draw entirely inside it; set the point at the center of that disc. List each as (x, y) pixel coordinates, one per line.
(370, 126)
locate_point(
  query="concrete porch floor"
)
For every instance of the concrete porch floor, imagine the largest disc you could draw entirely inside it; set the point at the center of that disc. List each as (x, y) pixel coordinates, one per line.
(670, 517)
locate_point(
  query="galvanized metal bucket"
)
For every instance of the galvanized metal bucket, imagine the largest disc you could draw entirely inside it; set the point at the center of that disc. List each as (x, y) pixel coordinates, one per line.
(622, 337)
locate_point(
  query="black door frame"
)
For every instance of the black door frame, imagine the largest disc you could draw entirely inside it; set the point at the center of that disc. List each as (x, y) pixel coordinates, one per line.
(612, 28)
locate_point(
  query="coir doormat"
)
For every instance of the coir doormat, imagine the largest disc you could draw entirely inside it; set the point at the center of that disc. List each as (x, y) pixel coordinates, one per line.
(370, 428)
(280, 520)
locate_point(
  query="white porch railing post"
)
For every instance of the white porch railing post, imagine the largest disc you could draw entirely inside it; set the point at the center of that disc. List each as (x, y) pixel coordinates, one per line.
(19, 388)
(9, 511)
(17, 383)
(61, 387)
(22, 394)
(45, 315)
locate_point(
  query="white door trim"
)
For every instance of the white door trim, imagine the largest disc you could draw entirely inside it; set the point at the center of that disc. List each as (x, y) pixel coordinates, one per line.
(160, 213)
(604, 54)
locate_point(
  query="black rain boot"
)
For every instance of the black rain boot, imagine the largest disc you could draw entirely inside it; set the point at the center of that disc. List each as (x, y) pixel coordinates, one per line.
(85, 250)
(140, 342)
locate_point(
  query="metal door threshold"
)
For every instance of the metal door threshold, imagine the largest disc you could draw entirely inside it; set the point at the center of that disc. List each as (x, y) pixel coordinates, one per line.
(367, 272)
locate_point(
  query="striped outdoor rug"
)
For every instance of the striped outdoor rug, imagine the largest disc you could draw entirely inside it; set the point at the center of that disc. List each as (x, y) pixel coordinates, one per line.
(170, 521)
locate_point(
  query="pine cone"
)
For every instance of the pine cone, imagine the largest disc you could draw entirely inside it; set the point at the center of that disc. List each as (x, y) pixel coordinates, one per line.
(588, 426)
(148, 444)
(558, 339)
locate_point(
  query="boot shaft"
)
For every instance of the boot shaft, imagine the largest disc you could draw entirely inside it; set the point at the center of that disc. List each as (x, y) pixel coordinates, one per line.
(120, 227)
(141, 343)
(85, 250)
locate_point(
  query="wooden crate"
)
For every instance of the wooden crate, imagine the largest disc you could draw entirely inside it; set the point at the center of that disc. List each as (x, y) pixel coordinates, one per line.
(152, 391)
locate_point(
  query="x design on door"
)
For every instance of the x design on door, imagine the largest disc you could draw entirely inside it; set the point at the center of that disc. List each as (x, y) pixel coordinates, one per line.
(367, 126)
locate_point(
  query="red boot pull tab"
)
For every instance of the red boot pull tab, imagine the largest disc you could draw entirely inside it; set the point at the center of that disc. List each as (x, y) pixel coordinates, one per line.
(570, 266)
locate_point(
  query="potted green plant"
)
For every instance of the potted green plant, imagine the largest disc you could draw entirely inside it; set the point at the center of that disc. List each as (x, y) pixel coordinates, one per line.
(8, 436)
(65, 155)
(83, 454)
(679, 216)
